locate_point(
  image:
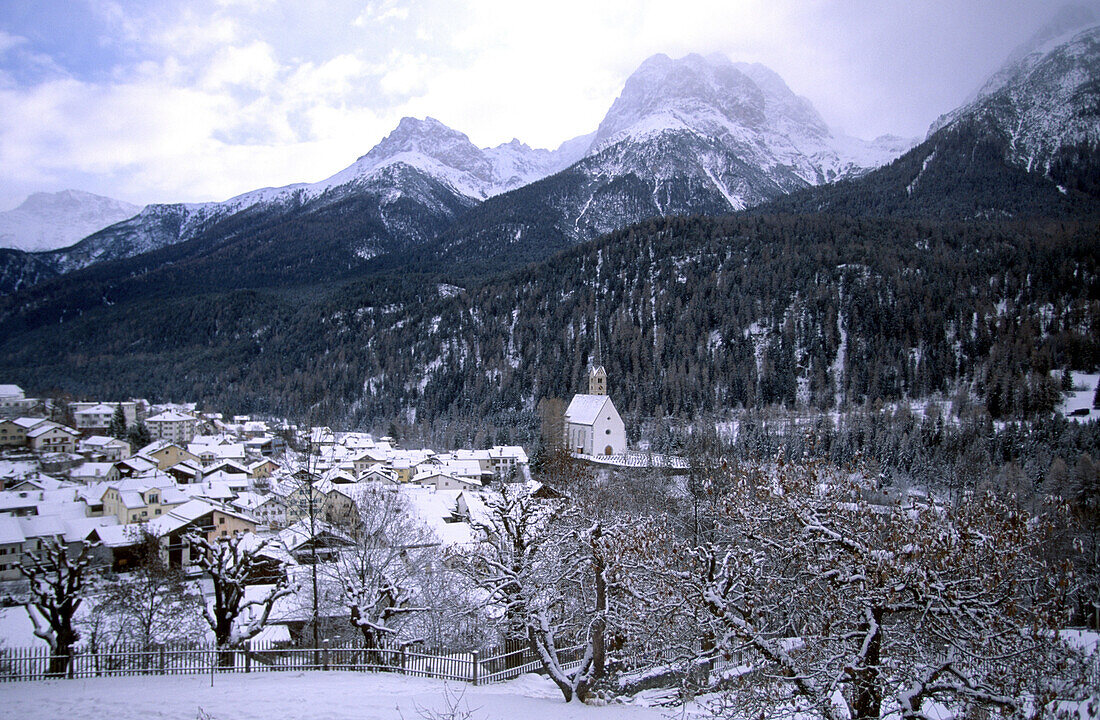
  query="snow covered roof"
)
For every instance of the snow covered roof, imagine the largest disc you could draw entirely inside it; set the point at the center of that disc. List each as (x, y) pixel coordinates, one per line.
(584, 409)
(139, 463)
(91, 469)
(29, 422)
(100, 441)
(42, 526)
(155, 446)
(100, 409)
(47, 426)
(114, 536)
(9, 391)
(169, 416)
(10, 531)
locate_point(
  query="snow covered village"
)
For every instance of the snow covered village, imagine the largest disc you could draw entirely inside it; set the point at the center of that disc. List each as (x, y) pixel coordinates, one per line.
(763, 384)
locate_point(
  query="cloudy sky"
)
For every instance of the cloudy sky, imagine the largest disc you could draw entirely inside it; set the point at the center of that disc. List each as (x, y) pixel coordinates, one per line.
(165, 100)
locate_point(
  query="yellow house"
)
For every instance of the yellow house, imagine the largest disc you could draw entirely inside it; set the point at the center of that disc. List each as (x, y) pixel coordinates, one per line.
(132, 502)
(167, 454)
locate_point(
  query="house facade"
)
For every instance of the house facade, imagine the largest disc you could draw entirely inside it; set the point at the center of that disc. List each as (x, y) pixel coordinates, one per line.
(172, 426)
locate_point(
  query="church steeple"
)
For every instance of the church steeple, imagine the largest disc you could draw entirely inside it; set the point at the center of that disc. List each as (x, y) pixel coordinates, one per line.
(597, 380)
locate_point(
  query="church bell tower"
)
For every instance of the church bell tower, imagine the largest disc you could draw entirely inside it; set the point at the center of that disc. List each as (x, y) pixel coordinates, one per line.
(597, 381)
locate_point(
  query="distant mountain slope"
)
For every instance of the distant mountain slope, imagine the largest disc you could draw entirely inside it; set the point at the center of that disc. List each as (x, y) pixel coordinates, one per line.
(960, 173)
(1046, 98)
(695, 135)
(698, 135)
(1027, 146)
(391, 181)
(47, 221)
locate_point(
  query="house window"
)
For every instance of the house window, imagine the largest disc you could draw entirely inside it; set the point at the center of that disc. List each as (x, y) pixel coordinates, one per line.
(607, 431)
(221, 521)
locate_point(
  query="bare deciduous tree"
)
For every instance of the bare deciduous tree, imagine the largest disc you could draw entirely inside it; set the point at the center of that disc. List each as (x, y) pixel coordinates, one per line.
(58, 584)
(231, 564)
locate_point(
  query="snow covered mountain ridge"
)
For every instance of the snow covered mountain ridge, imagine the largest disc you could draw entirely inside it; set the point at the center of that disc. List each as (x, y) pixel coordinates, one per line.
(47, 221)
(1045, 98)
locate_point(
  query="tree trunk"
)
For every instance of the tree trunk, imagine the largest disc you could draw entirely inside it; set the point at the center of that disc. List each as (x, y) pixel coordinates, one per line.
(868, 690)
(599, 625)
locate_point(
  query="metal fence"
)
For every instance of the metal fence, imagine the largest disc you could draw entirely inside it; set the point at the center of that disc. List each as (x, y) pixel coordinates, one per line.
(485, 667)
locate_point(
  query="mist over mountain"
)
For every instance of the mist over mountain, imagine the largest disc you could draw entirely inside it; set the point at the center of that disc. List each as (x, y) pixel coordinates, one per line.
(47, 221)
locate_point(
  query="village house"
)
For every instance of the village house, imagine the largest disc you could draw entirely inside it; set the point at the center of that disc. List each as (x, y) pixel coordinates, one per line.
(93, 418)
(269, 509)
(441, 480)
(14, 403)
(12, 433)
(173, 426)
(108, 448)
(262, 468)
(167, 453)
(142, 498)
(366, 460)
(50, 437)
(94, 472)
(592, 425)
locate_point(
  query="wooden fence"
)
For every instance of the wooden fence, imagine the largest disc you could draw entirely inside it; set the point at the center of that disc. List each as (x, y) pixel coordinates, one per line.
(492, 666)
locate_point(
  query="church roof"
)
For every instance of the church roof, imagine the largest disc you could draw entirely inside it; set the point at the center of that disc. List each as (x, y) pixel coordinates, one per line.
(584, 409)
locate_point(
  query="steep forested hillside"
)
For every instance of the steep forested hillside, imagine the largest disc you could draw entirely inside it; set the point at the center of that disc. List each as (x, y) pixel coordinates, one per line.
(960, 173)
(695, 314)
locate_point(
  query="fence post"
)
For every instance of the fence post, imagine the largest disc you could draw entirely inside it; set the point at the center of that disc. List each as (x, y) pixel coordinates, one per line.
(324, 654)
(476, 664)
(162, 658)
(404, 659)
(248, 656)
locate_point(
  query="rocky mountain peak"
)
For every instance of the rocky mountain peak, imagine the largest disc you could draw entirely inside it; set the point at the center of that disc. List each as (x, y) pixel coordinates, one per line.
(706, 94)
(414, 139)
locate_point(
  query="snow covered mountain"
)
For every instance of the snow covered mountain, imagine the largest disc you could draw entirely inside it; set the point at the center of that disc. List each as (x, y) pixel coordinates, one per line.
(695, 135)
(420, 163)
(47, 221)
(751, 114)
(1046, 98)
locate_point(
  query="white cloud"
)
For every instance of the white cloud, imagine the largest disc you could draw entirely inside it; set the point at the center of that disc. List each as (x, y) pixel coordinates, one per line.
(381, 12)
(9, 41)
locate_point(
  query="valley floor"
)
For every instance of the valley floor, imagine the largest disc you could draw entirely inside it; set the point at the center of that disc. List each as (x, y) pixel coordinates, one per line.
(299, 696)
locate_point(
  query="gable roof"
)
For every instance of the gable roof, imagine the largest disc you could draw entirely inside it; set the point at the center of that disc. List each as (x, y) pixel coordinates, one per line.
(100, 409)
(169, 416)
(584, 409)
(48, 426)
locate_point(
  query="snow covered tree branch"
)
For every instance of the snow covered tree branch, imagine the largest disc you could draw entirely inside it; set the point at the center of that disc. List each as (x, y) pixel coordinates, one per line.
(231, 562)
(57, 585)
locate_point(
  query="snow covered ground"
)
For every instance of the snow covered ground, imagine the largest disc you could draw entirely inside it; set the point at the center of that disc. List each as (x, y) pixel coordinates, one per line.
(289, 696)
(1084, 389)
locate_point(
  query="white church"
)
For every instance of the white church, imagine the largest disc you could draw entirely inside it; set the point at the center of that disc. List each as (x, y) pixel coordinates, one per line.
(592, 424)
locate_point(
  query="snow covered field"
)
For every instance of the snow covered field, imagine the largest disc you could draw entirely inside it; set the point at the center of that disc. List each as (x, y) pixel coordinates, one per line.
(1084, 389)
(290, 696)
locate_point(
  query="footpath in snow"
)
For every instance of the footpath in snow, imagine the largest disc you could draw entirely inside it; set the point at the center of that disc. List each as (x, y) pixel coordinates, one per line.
(299, 696)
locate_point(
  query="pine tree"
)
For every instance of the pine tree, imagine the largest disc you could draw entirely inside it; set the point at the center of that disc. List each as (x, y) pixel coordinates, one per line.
(139, 435)
(117, 428)
(1096, 397)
